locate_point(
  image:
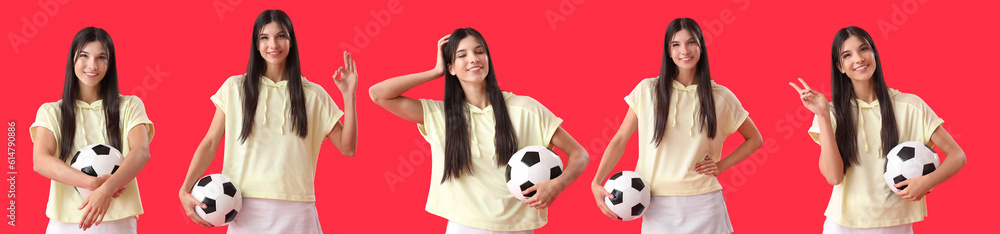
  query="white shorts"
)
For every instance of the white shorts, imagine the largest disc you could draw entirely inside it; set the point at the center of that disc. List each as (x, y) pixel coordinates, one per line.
(829, 227)
(121, 226)
(260, 215)
(702, 214)
(455, 228)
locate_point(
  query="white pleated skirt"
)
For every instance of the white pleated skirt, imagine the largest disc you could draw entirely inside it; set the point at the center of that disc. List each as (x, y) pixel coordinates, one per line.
(455, 228)
(121, 226)
(700, 214)
(829, 227)
(265, 216)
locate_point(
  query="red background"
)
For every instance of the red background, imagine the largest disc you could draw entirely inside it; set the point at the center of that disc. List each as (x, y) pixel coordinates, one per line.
(580, 67)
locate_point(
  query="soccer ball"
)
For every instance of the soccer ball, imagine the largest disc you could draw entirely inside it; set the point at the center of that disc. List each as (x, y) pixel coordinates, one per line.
(631, 195)
(96, 160)
(221, 196)
(529, 166)
(907, 160)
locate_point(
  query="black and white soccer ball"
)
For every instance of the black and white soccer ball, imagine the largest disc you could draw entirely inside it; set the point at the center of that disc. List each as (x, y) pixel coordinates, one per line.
(907, 160)
(631, 195)
(221, 196)
(96, 160)
(529, 166)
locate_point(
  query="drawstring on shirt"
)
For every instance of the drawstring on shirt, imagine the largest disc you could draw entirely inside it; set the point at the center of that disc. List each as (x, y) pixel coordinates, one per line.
(676, 95)
(861, 121)
(284, 104)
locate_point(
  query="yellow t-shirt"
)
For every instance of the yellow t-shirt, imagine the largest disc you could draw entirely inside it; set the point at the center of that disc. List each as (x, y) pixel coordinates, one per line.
(481, 199)
(274, 162)
(90, 129)
(669, 168)
(863, 200)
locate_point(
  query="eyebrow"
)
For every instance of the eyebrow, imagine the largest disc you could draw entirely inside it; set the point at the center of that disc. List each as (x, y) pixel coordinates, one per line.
(85, 52)
(689, 39)
(477, 47)
(279, 32)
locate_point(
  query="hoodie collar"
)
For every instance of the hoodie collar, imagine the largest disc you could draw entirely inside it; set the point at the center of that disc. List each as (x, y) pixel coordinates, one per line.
(84, 105)
(873, 107)
(475, 110)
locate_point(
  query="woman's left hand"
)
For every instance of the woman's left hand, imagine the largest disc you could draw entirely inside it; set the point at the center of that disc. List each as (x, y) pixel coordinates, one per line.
(545, 193)
(707, 167)
(916, 188)
(346, 77)
(94, 207)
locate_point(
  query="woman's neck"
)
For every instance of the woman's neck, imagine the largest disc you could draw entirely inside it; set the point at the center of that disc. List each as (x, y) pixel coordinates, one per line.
(686, 77)
(88, 94)
(864, 90)
(475, 94)
(275, 72)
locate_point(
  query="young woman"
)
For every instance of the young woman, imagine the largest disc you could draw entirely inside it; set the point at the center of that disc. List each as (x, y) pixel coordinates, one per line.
(473, 133)
(91, 111)
(683, 118)
(866, 120)
(274, 121)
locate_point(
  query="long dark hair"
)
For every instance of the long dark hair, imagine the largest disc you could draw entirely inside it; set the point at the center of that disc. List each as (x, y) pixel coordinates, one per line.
(256, 68)
(669, 72)
(108, 91)
(844, 100)
(456, 146)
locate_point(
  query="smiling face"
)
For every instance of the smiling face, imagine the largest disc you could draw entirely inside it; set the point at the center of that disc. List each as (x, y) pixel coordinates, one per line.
(471, 63)
(685, 50)
(91, 64)
(273, 43)
(857, 59)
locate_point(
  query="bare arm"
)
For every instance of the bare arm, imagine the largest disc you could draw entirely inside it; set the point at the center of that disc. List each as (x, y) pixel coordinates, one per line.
(831, 165)
(345, 135)
(46, 163)
(917, 187)
(751, 142)
(95, 206)
(202, 158)
(389, 93)
(549, 190)
(612, 154)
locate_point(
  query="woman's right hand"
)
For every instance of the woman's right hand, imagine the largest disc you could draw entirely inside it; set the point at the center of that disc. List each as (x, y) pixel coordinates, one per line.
(439, 66)
(812, 99)
(599, 195)
(188, 202)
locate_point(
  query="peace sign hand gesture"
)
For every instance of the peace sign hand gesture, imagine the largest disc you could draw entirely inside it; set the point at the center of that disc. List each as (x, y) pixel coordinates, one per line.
(812, 99)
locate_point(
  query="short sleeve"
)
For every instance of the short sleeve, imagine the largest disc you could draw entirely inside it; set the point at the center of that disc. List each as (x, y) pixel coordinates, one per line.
(548, 122)
(133, 114)
(47, 117)
(221, 97)
(929, 121)
(814, 129)
(639, 96)
(327, 111)
(734, 112)
(433, 119)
